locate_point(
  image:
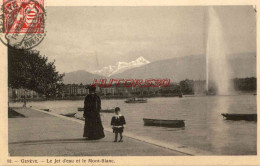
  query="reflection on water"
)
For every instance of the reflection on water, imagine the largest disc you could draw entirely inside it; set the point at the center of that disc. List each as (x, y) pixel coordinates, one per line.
(205, 128)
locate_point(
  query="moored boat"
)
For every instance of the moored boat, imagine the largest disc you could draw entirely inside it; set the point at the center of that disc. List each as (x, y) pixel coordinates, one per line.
(47, 110)
(80, 109)
(101, 111)
(69, 114)
(107, 110)
(247, 117)
(163, 123)
(136, 100)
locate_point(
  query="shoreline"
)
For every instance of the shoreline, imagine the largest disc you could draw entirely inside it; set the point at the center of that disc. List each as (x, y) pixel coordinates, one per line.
(83, 97)
(121, 97)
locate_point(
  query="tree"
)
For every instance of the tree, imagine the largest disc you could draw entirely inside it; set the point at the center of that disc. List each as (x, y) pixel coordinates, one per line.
(187, 86)
(245, 84)
(28, 69)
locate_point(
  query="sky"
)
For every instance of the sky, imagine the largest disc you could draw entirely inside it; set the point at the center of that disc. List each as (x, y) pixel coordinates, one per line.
(90, 38)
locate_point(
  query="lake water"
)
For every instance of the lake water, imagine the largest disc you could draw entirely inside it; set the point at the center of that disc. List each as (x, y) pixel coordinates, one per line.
(205, 127)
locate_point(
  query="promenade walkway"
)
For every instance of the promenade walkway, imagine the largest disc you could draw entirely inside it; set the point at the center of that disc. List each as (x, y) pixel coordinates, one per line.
(42, 134)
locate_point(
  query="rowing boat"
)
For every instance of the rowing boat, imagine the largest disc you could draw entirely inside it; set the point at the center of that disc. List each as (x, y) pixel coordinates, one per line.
(247, 117)
(163, 123)
(136, 100)
(101, 111)
(69, 114)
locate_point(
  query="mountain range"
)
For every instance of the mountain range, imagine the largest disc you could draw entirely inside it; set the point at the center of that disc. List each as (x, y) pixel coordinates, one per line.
(80, 76)
(121, 67)
(176, 69)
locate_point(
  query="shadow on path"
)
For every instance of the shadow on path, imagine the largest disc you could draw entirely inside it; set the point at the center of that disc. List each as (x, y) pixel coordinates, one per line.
(57, 141)
(14, 114)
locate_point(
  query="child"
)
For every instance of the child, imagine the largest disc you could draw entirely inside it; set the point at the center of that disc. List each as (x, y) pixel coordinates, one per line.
(117, 123)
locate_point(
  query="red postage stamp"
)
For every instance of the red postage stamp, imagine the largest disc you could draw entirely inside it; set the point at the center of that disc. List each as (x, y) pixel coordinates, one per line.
(23, 23)
(23, 16)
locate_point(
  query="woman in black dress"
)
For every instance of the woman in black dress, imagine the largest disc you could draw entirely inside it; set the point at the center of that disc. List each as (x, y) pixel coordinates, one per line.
(93, 128)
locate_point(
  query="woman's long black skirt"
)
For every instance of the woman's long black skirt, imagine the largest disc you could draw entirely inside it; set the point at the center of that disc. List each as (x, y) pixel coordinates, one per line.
(93, 128)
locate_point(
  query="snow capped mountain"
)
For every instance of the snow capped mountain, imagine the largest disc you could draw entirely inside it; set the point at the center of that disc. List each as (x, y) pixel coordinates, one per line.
(121, 66)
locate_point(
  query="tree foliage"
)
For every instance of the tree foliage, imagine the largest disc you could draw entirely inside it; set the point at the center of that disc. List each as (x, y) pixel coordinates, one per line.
(245, 84)
(29, 70)
(187, 86)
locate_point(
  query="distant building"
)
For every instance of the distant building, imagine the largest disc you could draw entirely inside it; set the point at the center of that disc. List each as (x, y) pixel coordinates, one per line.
(81, 90)
(108, 91)
(21, 93)
(74, 90)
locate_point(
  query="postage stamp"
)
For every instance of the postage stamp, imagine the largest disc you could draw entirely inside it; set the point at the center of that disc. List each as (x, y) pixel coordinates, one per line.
(23, 23)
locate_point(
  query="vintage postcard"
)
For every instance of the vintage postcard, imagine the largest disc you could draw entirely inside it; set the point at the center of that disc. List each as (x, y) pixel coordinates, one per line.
(128, 83)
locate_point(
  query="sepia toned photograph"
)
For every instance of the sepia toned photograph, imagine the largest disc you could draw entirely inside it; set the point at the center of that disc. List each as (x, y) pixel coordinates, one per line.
(130, 81)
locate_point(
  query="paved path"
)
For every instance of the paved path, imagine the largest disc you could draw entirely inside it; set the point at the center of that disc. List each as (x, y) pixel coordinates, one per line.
(41, 134)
